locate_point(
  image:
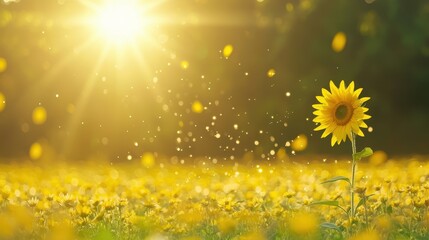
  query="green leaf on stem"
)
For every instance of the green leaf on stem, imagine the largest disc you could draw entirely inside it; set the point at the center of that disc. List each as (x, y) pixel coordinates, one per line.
(362, 200)
(366, 152)
(330, 226)
(337, 178)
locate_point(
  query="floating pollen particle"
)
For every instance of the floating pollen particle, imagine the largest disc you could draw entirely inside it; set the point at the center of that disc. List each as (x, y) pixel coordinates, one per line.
(197, 107)
(3, 64)
(339, 42)
(300, 143)
(39, 115)
(2, 102)
(184, 64)
(148, 160)
(227, 51)
(36, 151)
(271, 72)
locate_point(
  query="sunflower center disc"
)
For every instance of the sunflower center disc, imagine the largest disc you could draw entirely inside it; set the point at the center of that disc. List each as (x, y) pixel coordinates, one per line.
(343, 113)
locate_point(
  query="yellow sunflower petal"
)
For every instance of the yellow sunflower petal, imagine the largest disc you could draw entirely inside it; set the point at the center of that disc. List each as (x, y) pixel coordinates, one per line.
(334, 89)
(320, 127)
(328, 130)
(342, 86)
(320, 119)
(365, 117)
(326, 93)
(357, 92)
(333, 140)
(348, 130)
(357, 130)
(351, 87)
(363, 125)
(364, 99)
(317, 106)
(321, 99)
(340, 133)
(350, 136)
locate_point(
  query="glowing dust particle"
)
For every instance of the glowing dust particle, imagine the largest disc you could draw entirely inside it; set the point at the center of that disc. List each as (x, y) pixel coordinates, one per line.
(36, 151)
(271, 72)
(2, 101)
(287, 94)
(39, 115)
(227, 50)
(3, 64)
(339, 42)
(197, 107)
(184, 64)
(300, 143)
(148, 160)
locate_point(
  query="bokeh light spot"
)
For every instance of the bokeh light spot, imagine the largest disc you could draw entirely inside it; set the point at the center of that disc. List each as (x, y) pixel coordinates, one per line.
(2, 102)
(36, 151)
(379, 157)
(197, 107)
(184, 64)
(339, 42)
(300, 143)
(39, 115)
(148, 160)
(227, 51)
(3, 64)
(271, 72)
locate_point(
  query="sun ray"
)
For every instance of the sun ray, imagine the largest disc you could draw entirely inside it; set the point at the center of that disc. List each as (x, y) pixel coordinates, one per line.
(73, 124)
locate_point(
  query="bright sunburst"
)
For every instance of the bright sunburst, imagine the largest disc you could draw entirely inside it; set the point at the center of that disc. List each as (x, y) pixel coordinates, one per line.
(119, 21)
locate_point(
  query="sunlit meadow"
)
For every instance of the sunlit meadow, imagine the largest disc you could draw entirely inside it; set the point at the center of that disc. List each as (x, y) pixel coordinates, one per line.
(165, 119)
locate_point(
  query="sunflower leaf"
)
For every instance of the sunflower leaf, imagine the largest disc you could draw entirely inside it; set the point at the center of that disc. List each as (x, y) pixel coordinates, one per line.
(326, 202)
(363, 200)
(337, 178)
(366, 152)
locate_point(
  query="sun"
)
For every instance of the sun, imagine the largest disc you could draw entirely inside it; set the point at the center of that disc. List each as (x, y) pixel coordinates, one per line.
(119, 21)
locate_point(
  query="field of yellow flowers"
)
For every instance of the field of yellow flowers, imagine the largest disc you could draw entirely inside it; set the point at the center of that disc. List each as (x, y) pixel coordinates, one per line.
(203, 200)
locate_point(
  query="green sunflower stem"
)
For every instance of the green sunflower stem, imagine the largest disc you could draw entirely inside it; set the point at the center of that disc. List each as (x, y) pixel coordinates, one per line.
(352, 185)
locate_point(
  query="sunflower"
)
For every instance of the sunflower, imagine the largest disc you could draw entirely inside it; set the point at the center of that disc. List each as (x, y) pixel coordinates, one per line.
(341, 112)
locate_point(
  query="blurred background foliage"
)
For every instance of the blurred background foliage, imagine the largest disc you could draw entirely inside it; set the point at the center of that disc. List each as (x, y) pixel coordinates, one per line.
(179, 91)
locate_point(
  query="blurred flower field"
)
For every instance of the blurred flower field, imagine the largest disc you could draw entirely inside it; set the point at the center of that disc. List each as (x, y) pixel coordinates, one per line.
(203, 200)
